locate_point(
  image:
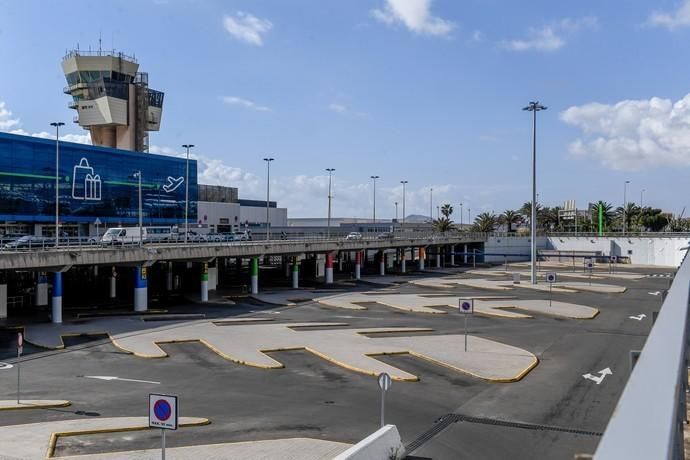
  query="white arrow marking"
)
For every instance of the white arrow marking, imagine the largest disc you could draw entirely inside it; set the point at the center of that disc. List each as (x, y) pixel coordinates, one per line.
(4, 366)
(654, 293)
(112, 377)
(602, 373)
(638, 317)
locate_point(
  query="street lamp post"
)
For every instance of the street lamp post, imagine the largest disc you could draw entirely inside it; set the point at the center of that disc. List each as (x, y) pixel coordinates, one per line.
(57, 125)
(186, 194)
(625, 204)
(534, 107)
(268, 196)
(330, 174)
(396, 211)
(642, 197)
(460, 216)
(137, 174)
(431, 199)
(403, 182)
(374, 179)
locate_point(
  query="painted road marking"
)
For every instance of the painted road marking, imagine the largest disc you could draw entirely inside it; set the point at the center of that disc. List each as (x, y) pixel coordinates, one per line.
(654, 293)
(112, 377)
(602, 374)
(639, 317)
(4, 366)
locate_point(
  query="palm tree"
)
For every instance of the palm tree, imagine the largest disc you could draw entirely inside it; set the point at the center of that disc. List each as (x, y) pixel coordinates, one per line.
(444, 224)
(549, 218)
(629, 215)
(607, 214)
(485, 222)
(447, 210)
(510, 217)
(526, 211)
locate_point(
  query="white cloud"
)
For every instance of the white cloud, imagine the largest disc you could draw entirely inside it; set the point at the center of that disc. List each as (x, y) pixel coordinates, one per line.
(247, 28)
(633, 134)
(477, 36)
(6, 120)
(14, 126)
(246, 103)
(415, 15)
(550, 37)
(343, 110)
(674, 20)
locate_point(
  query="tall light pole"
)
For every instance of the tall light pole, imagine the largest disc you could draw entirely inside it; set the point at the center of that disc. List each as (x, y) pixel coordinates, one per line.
(137, 174)
(642, 197)
(57, 125)
(396, 211)
(268, 196)
(186, 194)
(460, 216)
(534, 107)
(330, 176)
(469, 216)
(374, 179)
(431, 199)
(625, 204)
(403, 182)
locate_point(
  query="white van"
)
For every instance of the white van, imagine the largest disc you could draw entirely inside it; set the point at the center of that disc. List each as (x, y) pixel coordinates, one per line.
(131, 235)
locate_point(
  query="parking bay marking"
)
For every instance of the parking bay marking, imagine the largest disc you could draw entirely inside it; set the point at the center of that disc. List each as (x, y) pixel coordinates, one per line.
(112, 377)
(639, 317)
(602, 374)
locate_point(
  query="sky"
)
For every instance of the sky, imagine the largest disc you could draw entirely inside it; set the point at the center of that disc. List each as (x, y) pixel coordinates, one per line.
(428, 91)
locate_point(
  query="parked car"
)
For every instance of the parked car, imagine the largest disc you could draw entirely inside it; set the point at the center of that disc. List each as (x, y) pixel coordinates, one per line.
(243, 236)
(354, 236)
(30, 241)
(384, 235)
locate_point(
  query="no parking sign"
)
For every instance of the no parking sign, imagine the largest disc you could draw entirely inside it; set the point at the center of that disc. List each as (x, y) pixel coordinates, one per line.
(163, 411)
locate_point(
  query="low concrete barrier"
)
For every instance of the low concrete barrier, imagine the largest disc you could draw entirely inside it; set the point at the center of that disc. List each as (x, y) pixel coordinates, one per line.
(384, 444)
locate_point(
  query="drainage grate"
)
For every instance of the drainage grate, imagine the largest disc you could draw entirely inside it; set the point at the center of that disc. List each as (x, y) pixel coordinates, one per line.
(445, 421)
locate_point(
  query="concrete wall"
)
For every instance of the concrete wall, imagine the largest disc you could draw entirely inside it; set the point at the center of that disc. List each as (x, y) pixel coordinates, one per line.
(384, 444)
(257, 215)
(661, 251)
(517, 245)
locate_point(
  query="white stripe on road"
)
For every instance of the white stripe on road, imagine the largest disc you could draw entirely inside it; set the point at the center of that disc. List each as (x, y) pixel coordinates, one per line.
(112, 377)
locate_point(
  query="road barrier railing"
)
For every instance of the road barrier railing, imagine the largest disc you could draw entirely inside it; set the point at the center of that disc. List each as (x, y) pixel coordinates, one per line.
(650, 415)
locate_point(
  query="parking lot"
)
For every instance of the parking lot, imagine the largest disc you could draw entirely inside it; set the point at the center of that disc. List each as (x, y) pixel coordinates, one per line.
(553, 409)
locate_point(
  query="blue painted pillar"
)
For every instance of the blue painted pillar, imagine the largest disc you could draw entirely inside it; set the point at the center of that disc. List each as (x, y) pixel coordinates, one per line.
(141, 288)
(57, 298)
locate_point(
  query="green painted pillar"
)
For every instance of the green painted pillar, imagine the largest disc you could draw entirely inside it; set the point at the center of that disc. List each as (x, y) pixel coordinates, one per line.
(254, 272)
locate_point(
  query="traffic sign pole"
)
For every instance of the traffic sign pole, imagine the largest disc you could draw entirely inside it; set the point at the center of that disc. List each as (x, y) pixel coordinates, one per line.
(385, 383)
(550, 293)
(466, 332)
(162, 444)
(20, 348)
(383, 407)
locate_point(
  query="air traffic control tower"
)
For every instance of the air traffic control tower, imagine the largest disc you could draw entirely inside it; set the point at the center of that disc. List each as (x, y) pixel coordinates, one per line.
(112, 99)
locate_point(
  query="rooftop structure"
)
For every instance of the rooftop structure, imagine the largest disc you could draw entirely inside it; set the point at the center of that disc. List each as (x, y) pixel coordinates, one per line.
(112, 98)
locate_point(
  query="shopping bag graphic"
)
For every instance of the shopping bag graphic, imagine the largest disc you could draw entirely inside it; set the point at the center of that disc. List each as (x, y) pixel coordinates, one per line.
(86, 185)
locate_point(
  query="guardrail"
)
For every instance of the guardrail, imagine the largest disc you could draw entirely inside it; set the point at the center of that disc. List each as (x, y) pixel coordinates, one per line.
(649, 417)
(71, 243)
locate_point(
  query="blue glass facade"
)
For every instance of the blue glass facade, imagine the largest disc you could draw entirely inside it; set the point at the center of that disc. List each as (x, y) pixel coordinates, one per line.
(94, 182)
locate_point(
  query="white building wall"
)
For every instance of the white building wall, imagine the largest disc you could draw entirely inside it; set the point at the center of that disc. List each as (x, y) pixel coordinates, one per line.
(257, 215)
(519, 246)
(661, 251)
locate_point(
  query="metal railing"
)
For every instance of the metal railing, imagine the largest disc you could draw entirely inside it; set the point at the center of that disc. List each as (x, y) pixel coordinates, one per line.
(649, 417)
(71, 243)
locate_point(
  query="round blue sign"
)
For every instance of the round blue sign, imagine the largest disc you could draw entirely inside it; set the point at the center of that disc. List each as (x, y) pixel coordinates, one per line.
(162, 410)
(466, 306)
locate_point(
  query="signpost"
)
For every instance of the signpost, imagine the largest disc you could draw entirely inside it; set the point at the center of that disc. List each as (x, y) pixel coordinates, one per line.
(550, 278)
(613, 260)
(589, 265)
(385, 383)
(466, 308)
(163, 415)
(20, 350)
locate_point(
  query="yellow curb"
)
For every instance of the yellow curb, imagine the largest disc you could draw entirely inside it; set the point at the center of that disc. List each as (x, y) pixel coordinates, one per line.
(361, 371)
(392, 331)
(358, 307)
(37, 406)
(493, 380)
(54, 436)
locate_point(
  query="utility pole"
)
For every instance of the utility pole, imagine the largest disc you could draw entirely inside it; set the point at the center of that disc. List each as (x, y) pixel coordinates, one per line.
(186, 194)
(268, 196)
(330, 174)
(57, 125)
(534, 107)
(374, 179)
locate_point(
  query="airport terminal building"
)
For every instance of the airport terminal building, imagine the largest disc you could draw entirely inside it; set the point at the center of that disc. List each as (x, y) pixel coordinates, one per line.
(98, 187)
